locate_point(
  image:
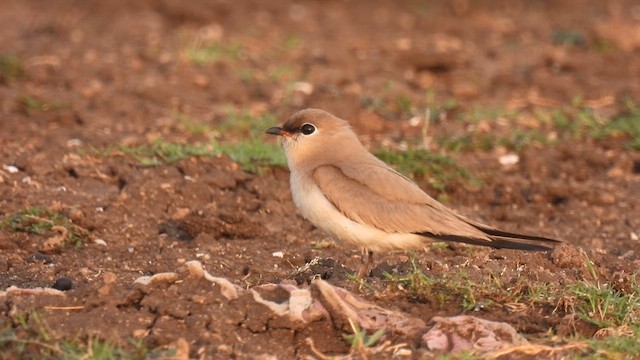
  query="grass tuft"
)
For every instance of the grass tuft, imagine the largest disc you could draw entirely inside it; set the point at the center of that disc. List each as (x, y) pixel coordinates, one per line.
(11, 68)
(32, 338)
(213, 52)
(360, 339)
(605, 307)
(568, 37)
(163, 152)
(440, 170)
(29, 104)
(254, 156)
(45, 222)
(244, 143)
(575, 121)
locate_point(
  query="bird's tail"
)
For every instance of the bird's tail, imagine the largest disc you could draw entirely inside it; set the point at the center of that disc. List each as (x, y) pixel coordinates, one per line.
(500, 239)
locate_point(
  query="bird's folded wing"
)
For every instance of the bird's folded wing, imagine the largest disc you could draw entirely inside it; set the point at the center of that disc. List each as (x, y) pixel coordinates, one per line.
(376, 195)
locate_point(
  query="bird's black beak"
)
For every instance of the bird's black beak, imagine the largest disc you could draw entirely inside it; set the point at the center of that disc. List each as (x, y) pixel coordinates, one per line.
(278, 131)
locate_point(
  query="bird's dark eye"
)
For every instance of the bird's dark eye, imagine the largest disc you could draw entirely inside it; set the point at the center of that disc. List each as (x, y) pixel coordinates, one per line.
(307, 129)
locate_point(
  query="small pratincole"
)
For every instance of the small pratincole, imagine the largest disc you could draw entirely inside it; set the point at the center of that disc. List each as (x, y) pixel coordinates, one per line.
(355, 197)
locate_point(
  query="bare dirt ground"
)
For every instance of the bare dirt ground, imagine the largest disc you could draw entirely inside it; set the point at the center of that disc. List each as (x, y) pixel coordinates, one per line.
(82, 81)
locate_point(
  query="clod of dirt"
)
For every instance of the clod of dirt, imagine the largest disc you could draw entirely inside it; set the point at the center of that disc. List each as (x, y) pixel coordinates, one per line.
(4, 265)
(566, 256)
(636, 167)
(319, 268)
(175, 230)
(63, 283)
(468, 333)
(39, 257)
(220, 179)
(222, 223)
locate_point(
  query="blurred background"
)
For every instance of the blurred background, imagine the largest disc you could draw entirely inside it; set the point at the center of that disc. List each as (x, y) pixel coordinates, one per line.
(478, 69)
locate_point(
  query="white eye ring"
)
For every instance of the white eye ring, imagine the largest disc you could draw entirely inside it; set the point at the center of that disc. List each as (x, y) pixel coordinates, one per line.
(307, 129)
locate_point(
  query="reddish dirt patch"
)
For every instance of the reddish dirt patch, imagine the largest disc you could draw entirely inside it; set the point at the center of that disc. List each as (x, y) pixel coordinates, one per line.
(116, 73)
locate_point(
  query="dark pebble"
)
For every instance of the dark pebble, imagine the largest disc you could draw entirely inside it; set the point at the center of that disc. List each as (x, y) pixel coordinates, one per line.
(63, 284)
(559, 200)
(636, 167)
(39, 257)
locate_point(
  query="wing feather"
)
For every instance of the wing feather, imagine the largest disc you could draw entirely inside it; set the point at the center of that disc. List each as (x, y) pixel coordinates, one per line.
(380, 197)
(372, 193)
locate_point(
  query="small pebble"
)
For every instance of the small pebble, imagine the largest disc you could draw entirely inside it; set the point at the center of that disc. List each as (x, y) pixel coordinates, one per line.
(509, 159)
(74, 142)
(225, 349)
(63, 284)
(11, 169)
(140, 333)
(303, 87)
(636, 167)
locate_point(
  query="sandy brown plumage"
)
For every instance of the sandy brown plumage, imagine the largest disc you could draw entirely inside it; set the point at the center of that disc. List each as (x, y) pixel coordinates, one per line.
(343, 189)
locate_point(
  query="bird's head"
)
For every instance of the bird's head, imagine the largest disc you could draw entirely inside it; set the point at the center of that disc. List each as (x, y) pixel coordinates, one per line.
(313, 137)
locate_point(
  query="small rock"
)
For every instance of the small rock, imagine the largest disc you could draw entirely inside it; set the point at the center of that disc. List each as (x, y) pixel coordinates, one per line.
(11, 169)
(404, 352)
(278, 254)
(140, 333)
(159, 278)
(225, 349)
(180, 213)
(63, 284)
(303, 87)
(415, 121)
(100, 242)
(636, 167)
(468, 333)
(74, 142)
(39, 257)
(4, 265)
(509, 159)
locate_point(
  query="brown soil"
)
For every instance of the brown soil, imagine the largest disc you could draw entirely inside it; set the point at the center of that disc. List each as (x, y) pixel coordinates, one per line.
(118, 74)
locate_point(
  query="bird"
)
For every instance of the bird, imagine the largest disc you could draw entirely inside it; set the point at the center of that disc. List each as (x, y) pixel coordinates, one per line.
(356, 198)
